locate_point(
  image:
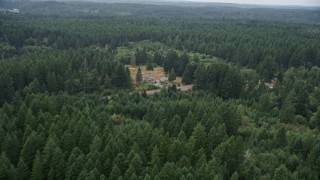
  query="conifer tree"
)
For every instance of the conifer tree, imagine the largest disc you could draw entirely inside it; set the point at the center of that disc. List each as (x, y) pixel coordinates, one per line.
(120, 162)
(168, 171)
(141, 56)
(231, 84)
(37, 168)
(155, 157)
(188, 74)
(149, 66)
(7, 171)
(158, 58)
(281, 137)
(115, 173)
(234, 176)
(23, 170)
(199, 135)
(121, 77)
(172, 75)
(76, 167)
(139, 76)
(282, 173)
(52, 82)
(147, 177)
(170, 61)
(58, 164)
(314, 157)
(183, 61)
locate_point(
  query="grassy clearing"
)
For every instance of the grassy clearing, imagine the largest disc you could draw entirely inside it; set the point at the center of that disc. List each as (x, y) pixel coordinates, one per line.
(157, 73)
(124, 53)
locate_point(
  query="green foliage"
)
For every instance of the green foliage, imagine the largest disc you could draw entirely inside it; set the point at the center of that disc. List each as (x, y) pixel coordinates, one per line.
(121, 77)
(172, 75)
(313, 158)
(267, 68)
(231, 153)
(141, 56)
(234, 176)
(56, 124)
(171, 61)
(90, 144)
(282, 173)
(37, 168)
(139, 76)
(188, 74)
(232, 84)
(6, 50)
(149, 66)
(182, 64)
(221, 78)
(288, 110)
(158, 58)
(57, 70)
(7, 170)
(281, 137)
(115, 173)
(22, 170)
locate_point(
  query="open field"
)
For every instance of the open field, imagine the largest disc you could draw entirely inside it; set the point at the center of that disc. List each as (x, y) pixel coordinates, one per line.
(157, 73)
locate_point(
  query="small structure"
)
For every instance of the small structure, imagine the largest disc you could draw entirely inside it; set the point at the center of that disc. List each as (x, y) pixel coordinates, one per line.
(13, 10)
(186, 88)
(3, 10)
(271, 84)
(149, 79)
(164, 79)
(158, 84)
(106, 47)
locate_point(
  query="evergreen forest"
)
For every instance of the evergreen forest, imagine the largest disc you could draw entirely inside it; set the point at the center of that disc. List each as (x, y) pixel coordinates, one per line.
(75, 102)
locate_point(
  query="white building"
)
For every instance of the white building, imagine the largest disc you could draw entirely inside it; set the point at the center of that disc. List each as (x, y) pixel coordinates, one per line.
(13, 10)
(164, 79)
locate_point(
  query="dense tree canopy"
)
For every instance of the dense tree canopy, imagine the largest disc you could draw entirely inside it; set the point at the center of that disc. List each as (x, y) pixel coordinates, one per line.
(69, 108)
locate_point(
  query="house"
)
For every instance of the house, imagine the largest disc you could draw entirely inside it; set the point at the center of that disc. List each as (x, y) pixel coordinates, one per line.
(148, 79)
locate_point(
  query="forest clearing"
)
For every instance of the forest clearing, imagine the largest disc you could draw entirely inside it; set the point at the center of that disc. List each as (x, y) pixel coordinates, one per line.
(157, 74)
(159, 90)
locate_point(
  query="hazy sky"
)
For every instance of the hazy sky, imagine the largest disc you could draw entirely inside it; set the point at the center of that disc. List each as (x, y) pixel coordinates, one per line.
(269, 2)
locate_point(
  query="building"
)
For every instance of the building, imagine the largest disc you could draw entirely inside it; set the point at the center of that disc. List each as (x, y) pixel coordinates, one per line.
(164, 79)
(271, 84)
(13, 10)
(2, 10)
(149, 79)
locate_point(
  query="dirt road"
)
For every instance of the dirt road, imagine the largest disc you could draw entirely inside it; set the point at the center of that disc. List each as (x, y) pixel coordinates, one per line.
(185, 88)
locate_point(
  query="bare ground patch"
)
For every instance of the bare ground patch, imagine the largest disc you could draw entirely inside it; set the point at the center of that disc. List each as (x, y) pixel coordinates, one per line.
(157, 73)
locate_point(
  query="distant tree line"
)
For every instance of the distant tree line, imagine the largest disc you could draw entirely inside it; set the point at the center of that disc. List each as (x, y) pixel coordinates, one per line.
(269, 43)
(65, 110)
